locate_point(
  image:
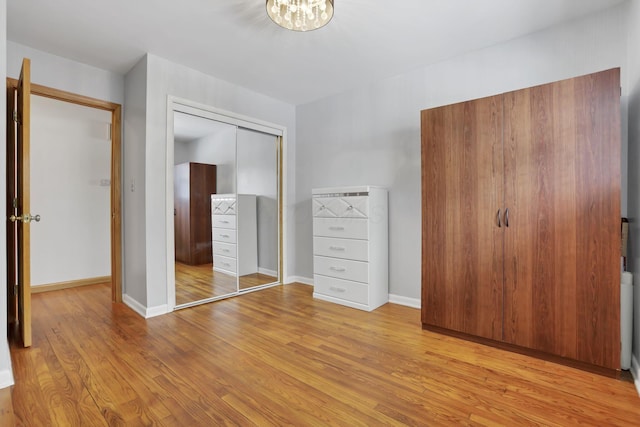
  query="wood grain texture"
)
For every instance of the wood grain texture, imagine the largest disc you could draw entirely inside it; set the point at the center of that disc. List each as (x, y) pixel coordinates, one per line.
(279, 357)
(70, 284)
(24, 200)
(194, 183)
(562, 249)
(462, 188)
(200, 282)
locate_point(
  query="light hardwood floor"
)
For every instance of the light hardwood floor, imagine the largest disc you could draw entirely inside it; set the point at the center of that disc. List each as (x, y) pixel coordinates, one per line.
(279, 357)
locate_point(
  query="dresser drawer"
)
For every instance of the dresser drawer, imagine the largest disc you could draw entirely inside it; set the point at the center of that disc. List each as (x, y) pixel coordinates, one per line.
(223, 206)
(341, 268)
(341, 248)
(224, 235)
(346, 228)
(224, 263)
(223, 221)
(224, 249)
(343, 289)
(341, 207)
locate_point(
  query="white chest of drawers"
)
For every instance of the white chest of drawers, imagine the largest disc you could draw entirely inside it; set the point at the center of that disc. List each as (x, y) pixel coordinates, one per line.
(234, 233)
(350, 246)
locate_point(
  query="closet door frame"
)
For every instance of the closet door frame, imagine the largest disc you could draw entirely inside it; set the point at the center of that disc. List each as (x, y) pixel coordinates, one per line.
(177, 104)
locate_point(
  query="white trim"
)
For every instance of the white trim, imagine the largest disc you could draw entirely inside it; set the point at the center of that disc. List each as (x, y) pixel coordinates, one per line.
(635, 371)
(142, 310)
(195, 108)
(6, 378)
(157, 311)
(406, 301)
(342, 302)
(268, 272)
(6, 375)
(299, 279)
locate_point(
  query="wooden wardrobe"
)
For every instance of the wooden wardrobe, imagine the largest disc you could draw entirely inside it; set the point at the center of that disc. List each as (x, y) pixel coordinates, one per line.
(521, 220)
(193, 185)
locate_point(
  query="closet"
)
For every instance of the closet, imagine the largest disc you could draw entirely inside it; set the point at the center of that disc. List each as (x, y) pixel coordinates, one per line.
(521, 219)
(194, 183)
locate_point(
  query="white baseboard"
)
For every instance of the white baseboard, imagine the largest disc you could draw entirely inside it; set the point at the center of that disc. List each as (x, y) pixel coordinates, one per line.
(142, 310)
(299, 279)
(6, 374)
(635, 371)
(406, 301)
(267, 272)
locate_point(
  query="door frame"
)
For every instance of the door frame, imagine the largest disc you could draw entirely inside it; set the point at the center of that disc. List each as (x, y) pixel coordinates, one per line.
(116, 169)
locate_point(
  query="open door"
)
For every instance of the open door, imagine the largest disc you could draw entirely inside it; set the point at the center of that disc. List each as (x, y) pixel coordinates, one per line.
(19, 265)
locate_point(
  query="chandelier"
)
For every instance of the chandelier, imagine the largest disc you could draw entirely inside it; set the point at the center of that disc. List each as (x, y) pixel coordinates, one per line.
(300, 15)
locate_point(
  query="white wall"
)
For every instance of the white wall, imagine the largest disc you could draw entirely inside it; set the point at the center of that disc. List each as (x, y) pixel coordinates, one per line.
(70, 160)
(6, 376)
(371, 135)
(166, 78)
(633, 260)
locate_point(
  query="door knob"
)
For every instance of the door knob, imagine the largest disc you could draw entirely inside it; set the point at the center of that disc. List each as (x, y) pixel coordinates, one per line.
(25, 218)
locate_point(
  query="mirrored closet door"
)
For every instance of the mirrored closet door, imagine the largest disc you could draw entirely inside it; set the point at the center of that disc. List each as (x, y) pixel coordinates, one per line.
(227, 207)
(204, 167)
(257, 178)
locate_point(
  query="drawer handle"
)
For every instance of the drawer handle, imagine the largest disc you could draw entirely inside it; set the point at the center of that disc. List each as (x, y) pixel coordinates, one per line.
(337, 289)
(338, 269)
(226, 264)
(226, 250)
(336, 248)
(336, 228)
(350, 208)
(226, 236)
(224, 222)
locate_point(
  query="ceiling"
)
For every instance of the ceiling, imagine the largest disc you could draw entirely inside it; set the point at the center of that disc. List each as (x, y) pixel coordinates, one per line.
(188, 128)
(234, 40)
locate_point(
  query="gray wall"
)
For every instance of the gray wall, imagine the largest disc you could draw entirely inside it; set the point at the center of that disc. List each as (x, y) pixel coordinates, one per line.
(133, 210)
(371, 135)
(634, 171)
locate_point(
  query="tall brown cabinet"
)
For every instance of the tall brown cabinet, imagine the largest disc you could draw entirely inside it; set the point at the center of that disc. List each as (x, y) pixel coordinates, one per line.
(521, 219)
(193, 185)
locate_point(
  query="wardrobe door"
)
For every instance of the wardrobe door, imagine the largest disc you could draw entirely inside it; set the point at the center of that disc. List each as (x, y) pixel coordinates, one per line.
(562, 243)
(462, 190)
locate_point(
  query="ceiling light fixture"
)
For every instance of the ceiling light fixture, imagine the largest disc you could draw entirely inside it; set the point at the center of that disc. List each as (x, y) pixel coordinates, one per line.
(300, 15)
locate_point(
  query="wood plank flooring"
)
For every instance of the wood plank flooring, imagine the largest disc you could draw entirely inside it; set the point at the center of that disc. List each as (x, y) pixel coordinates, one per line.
(198, 282)
(279, 357)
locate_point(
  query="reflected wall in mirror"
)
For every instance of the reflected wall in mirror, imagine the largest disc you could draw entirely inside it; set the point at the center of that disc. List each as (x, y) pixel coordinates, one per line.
(205, 165)
(257, 183)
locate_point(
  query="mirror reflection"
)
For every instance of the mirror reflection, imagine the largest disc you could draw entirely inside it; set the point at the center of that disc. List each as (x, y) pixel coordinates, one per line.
(204, 167)
(257, 186)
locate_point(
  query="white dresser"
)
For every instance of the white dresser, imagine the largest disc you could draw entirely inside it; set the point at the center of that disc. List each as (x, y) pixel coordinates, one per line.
(350, 246)
(234, 234)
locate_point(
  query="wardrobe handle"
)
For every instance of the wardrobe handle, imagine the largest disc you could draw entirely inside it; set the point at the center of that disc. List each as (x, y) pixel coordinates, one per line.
(499, 221)
(506, 217)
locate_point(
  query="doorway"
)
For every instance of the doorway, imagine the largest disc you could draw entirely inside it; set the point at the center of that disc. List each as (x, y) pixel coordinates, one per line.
(112, 180)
